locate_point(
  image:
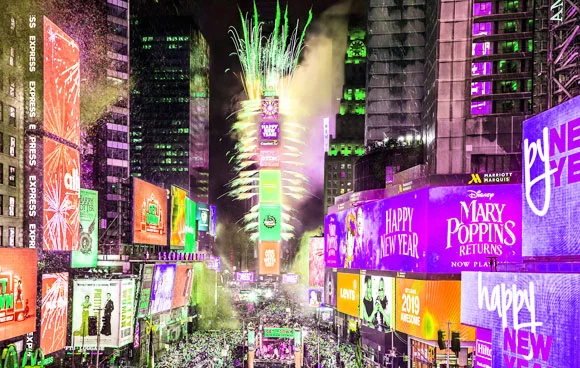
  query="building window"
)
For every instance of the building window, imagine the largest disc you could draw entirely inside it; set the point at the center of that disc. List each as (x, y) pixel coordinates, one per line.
(1, 204)
(12, 115)
(1, 107)
(511, 6)
(1, 173)
(11, 236)
(1, 235)
(12, 89)
(12, 146)
(12, 24)
(510, 27)
(510, 46)
(496, 163)
(12, 176)
(508, 86)
(1, 142)
(12, 206)
(508, 66)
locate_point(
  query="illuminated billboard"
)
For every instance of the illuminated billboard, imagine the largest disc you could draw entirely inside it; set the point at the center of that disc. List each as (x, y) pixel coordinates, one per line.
(290, 278)
(270, 186)
(329, 287)
(269, 133)
(202, 217)
(269, 258)
(178, 209)
(88, 251)
(149, 213)
(183, 285)
(551, 197)
(18, 267)
(162, 288)
(103, 309)
(348, 293)
(316, 261)
(145, 297)
(423, 307)
(314, 297)
(246, 276)
(54, 309)
(212, 221)
(533, 318)
(377, 302)
(269, 158)
(190, 226)
(270, 216)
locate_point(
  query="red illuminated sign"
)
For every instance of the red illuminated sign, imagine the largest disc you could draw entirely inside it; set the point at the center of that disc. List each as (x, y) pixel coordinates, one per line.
(54, 312)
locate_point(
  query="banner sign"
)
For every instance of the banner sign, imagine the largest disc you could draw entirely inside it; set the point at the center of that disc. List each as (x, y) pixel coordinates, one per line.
(88, 251)
(316, 261)
(348, 293)
(551, 167)
(482, 355)
(54, 310)
(245, 276)
(149, 213)
(377, 302)
(533, 318)
(272, 332)
(162, 288)
(269, 133)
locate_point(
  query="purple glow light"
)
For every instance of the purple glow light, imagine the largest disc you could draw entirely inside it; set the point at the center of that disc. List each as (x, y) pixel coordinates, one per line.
(481, 48)
(480, 88)
(480, 107)
(480, 9)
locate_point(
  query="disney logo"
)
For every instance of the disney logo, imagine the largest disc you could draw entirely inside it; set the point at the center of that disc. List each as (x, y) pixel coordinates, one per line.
(479, 194)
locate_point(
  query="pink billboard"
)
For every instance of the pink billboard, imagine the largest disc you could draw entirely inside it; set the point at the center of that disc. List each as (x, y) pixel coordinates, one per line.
(316, 261)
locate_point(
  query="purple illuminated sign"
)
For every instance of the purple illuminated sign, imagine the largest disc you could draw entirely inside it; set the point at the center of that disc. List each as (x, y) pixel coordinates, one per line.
(245, 276)
(329, 287)
(482, 354)
(480, 88)
(269, 133)
(162, 288)
(533, 318)
(551, 198)
(289, 278)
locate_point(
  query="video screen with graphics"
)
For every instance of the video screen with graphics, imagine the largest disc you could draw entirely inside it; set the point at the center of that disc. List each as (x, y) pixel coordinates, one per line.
(162, 288)
(178, 209)
(316, 261)
(190, 226)
(18, 291)
(348, 293)
(183, 285)
(54, 310)
(377, 302)
(269, 258)
(314, 297)
(149, 213)
(329, 287)
(270, 216)
(203, 217)
(87, 254)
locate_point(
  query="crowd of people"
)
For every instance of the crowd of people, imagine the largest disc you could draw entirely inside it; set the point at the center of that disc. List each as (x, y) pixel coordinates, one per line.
(332, 354)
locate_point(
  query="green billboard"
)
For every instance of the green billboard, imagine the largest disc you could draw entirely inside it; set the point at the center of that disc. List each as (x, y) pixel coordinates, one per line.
(86, 256)
(270, 222)
(270, 184)
(190, 226)
(274, 332)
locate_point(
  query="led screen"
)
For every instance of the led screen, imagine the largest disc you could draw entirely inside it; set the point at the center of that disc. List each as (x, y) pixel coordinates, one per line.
(270, 186)
(88, 251)
(329, 287)
(377, 302)
(145, 297)
(269, 133)
(314, 297)
(269, 158)
(316, 261)
(183, 284)
(213, 220)
(270, 217)
(482, 354)
(533, 318)
(202, 217)
(103, 309)
(269, 258)
(54, 309)
(149, 213)
(424, 307)
(61, 196)
(245, 276)
(551, 198)
(178, 209)
(190, 226)
(290, 278)
(162, 288)
(348, 293)
(18, 292)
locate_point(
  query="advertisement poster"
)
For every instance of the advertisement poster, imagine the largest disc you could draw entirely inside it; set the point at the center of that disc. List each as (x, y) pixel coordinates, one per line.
(551, 190)
(533, 317)
(162, 288)
(314, 297)
(18, 291)
(471, 224)
(270, 186)
(61, 197)
(424, 307)
(270, 216)
(269, 133)
(54, 312)
(183, 285)
(348, 293)
(178, 209)
(246, 276)
(102, 308)
(377, 302)
(190, 226)
(290, 278)
(202, 217)
(316, 261)
(149, 213)
(212, 220)
(269, 258)
(329, 287)
(61, 84)
(88, 251)
(145, 297)
(482, 354)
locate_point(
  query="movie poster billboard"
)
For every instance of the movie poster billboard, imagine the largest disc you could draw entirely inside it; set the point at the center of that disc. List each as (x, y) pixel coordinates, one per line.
(183, 285)
(212, 220)
(468, 224)
(190, 226)
(314, 297)
(377, 302)
(270, 216)
(178, 209)
(103, 309)
(149, 213)
(551, 175)
(269, 258)
(270, 190)
(424, 306)
(145, 297)
(533, 318)
(162, 288)
(348, 293)
(329, 287)
(316, 261)
(54, 310)
(202, 217)
(18, 267)
(87, 254)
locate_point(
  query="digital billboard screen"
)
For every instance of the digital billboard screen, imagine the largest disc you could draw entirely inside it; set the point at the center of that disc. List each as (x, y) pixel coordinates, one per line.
(533, 318)
(269, 133)
(54, 310)
(246, 276)
(290, 278)
(212, 220)
(103, 309)
(149, 213)
(377, 302)
(162, 288)
(329, 287)
(202, 217)
(183, 285)
(145, 297)
(178, 209)
(551, 175)
(269, 258)
(270, 217)
(424, 306)
(348, 293)
(88, 251)
(18, 267)
(314, 297)
(270, 186)
(316, 261)
(190, 226)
